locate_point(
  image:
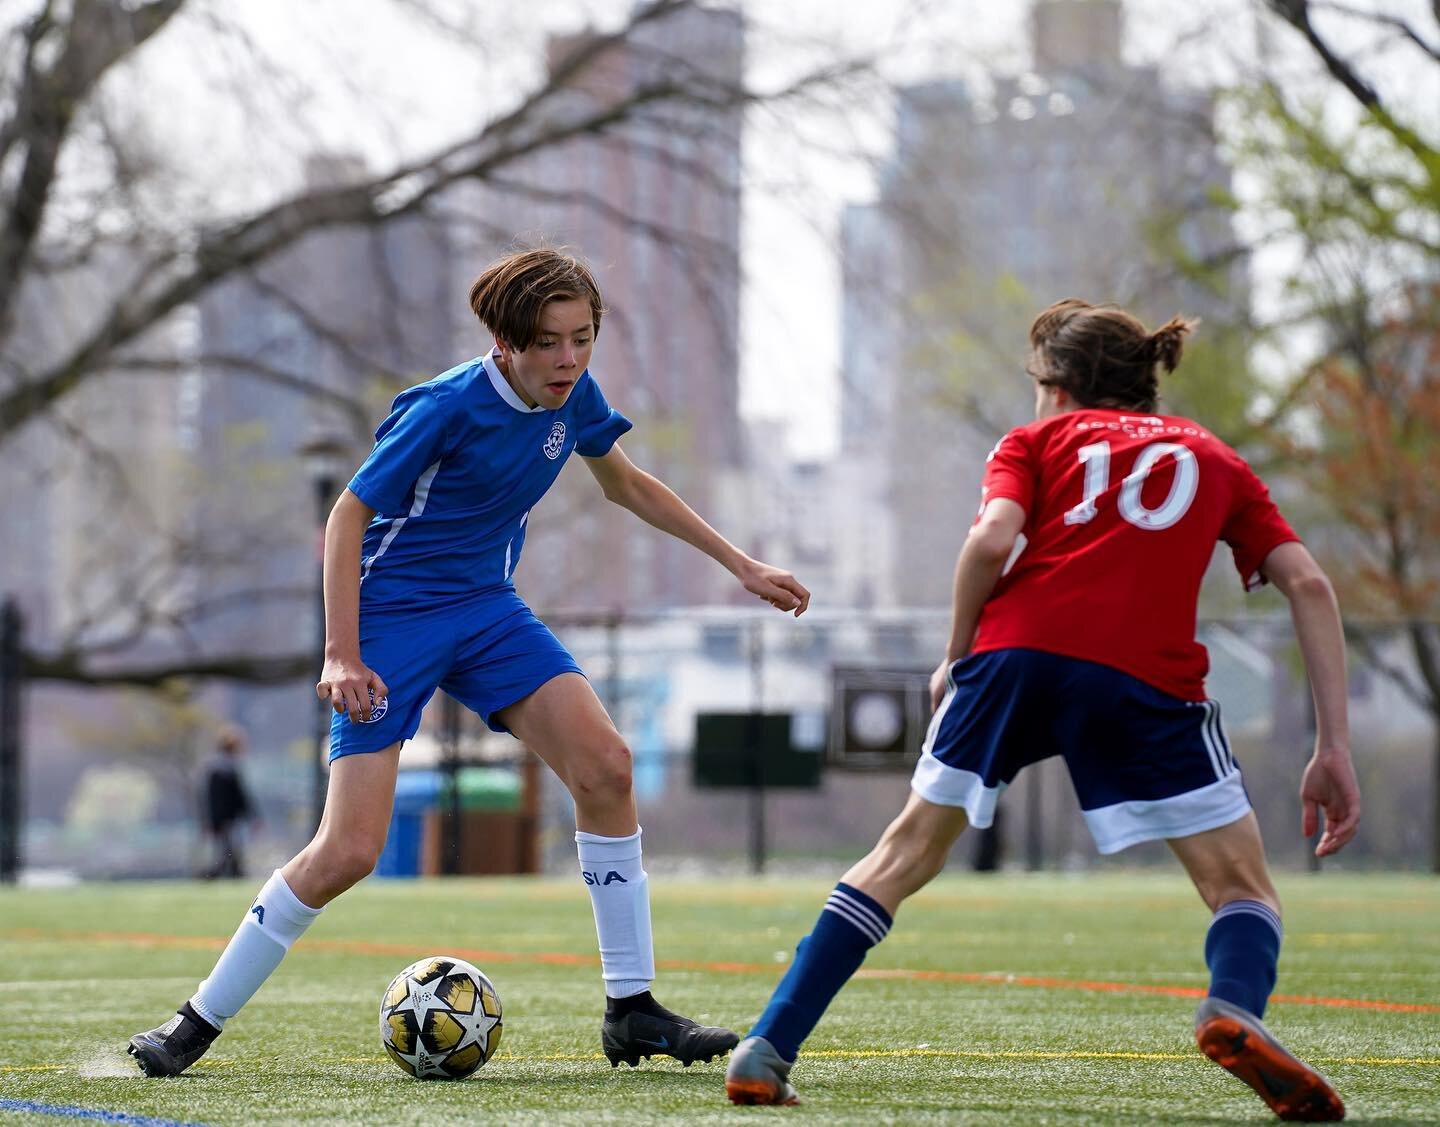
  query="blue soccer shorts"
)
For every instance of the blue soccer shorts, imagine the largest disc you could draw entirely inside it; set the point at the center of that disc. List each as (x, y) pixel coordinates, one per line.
(1145, 765)
(487, 653)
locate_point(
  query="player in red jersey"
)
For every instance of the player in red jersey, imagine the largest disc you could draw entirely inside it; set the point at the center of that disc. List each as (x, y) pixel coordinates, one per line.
(1074, 634)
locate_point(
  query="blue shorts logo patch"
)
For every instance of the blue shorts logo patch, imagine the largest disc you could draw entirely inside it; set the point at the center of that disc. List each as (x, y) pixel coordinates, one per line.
(378, 708)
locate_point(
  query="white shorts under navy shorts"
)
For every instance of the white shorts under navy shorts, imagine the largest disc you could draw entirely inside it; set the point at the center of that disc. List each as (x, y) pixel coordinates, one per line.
(488, 652)
(1145, 765)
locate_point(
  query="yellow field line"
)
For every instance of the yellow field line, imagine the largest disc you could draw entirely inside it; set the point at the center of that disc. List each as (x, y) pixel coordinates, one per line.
(850, 1054)
(983, 1054)
(967, 1054)
(1071, 1054)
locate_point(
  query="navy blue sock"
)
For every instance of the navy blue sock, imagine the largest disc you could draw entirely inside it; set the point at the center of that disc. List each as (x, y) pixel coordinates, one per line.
(849, 926)
(1242, 948)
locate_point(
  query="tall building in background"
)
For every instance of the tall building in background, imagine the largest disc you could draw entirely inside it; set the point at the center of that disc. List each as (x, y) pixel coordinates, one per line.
(654, 207)
(1082, 177)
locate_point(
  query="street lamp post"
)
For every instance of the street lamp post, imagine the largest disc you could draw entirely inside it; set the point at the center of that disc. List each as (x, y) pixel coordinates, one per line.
(325, 456)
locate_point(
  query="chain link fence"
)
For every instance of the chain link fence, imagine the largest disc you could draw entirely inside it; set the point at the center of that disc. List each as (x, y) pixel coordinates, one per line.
(109, 788)
(657, 673)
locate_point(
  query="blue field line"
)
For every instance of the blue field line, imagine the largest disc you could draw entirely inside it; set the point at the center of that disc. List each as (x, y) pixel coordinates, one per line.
(67, 1111)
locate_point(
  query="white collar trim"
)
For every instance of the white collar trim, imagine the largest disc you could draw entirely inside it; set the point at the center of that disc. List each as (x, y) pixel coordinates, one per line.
(502, 386)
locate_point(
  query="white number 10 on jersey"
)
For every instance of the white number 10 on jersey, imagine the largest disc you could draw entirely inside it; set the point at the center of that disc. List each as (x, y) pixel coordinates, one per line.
(1096, 460)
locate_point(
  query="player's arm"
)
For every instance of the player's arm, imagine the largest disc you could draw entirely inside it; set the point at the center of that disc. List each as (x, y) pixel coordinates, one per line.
(1329, 783)
(345, 681)
(982, 560)
(654, 502)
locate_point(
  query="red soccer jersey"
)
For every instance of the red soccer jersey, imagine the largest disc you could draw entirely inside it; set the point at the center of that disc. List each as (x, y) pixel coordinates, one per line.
(1123, 510)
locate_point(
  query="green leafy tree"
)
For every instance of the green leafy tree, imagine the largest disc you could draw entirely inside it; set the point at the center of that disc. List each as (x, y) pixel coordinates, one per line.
(1355, 198)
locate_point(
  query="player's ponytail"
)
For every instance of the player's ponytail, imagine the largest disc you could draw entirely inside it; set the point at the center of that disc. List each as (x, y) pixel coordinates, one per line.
(1168, 342)
(1101, 356)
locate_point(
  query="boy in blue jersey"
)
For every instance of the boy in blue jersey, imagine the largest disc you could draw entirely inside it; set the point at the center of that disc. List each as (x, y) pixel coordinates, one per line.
(420, 555)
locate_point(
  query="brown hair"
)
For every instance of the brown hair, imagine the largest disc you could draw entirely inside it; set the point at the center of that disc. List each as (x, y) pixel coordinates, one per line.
(509, 295)
(1102, 356)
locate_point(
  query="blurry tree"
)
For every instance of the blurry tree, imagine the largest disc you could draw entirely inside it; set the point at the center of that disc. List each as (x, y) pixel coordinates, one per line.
(94, 225)
(1356, 198)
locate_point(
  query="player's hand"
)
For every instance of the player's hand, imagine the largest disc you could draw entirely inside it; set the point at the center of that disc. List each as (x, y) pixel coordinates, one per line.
(1329, 786)
(350, 687)
(939, 684)
(777, 587)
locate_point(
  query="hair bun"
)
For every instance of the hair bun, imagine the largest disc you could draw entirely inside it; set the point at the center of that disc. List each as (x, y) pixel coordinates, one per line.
(1168, 341)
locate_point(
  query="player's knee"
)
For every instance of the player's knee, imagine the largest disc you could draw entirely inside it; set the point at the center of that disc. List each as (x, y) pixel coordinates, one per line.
(919, 856)
(347, 863)
(356, 864)
(928, 860)
(604, 773)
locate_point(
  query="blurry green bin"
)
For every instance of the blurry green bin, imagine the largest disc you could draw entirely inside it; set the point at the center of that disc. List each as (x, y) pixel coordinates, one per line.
(482, 788)
(496, 835)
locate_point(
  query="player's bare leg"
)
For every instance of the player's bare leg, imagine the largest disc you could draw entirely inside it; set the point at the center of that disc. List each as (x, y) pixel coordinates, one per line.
(1228, 867)
(343, 851)
(565, 724)
(910, 853)
(358, 803)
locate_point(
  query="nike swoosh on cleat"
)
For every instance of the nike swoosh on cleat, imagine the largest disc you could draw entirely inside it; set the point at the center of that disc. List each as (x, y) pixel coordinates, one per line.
(663, 1043)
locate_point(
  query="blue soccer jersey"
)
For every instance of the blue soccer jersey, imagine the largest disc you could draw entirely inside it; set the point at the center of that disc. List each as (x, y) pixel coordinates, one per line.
(455, 471)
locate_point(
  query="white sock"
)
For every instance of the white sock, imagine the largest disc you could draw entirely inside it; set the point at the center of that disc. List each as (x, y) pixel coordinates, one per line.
(620, 895)
(273, 923)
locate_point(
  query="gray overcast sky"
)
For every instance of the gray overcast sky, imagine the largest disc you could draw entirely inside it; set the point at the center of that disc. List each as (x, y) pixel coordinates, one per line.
(331, 57)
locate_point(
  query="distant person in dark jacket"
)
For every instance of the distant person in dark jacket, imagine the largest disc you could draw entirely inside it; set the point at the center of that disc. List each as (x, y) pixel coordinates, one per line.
(225, 806)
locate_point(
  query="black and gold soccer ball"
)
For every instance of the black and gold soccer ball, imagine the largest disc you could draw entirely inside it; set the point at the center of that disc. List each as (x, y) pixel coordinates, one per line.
(440, 1019)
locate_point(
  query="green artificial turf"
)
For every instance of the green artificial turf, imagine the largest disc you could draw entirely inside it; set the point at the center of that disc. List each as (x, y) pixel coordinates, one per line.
(1039, 1039)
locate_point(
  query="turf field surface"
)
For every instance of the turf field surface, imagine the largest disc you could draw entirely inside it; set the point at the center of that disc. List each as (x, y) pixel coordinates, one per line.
(1017, 999)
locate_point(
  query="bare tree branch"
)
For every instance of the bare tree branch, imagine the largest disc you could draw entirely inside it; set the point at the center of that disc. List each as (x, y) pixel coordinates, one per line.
(1427, 656)
(74, 666)
(1297, 14)
(354, 409)
(1362, 639)
(173, 278)
(121, 228)
(1386, 20)
(46, 105)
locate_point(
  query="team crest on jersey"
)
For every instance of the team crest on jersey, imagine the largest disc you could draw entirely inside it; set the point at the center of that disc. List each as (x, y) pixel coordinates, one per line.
(556, 442)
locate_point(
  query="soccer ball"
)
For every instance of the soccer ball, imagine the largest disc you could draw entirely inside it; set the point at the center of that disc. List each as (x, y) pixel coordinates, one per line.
(440, 1019)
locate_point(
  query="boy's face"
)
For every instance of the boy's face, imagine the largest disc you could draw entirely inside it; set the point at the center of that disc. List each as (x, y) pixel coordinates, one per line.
(544, 374)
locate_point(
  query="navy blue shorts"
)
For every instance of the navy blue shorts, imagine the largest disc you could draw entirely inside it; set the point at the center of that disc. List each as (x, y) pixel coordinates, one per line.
(487, 653)
(1145, 765)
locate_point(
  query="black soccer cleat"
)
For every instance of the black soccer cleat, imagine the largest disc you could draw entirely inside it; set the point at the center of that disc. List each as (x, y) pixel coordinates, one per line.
(170, 1049)
(658, 1032)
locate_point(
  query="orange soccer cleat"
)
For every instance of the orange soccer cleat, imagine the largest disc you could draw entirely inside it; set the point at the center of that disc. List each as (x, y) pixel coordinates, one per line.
(1238, 1042)
(759, 1075)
